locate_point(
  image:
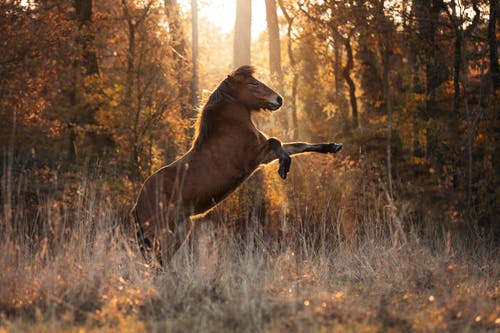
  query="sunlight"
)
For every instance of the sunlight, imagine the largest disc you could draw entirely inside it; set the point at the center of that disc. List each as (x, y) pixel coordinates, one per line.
(222, 14)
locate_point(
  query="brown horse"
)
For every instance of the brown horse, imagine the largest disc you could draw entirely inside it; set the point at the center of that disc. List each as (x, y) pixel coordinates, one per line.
(226, 150)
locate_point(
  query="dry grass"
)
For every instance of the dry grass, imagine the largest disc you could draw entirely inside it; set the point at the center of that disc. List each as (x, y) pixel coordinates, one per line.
(77, 270)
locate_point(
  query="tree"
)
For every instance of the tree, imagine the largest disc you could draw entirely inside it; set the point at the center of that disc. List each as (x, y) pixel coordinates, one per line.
(242, 33)
(275, 55)
(346, 73)
(85, 66)
(180, 54)
(492, 41)
(427, 17)
(149, 101)
(194, 80)
(340, 27)
(133, 21)
(36, 76)
(83, 9)
(294, 123)
(274, 43)
(458, 21)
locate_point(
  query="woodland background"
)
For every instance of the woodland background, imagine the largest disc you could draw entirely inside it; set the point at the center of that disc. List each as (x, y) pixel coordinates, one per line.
(95, 96)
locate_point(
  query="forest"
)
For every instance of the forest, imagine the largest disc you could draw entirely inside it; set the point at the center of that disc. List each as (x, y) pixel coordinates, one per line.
(398, 232)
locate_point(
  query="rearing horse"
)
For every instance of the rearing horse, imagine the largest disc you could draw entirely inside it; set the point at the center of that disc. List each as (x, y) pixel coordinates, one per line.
(226, 150)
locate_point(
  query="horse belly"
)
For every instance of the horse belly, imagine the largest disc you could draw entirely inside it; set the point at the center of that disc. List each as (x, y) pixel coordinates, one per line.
(202, 181)
(215, 194)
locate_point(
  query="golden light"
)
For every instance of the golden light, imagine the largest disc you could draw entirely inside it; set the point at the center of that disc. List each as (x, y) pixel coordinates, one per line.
(222, 14)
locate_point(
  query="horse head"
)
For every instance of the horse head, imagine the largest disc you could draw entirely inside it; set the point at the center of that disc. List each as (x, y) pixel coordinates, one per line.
(252, 93)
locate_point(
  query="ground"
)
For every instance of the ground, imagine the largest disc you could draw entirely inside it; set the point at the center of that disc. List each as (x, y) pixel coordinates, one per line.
(370, 286)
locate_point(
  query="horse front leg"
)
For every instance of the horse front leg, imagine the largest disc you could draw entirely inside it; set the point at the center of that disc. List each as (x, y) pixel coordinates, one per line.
(275, 150)
(294, 148)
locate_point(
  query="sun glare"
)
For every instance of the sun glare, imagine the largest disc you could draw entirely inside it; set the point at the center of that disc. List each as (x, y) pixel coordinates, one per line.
(222, 14)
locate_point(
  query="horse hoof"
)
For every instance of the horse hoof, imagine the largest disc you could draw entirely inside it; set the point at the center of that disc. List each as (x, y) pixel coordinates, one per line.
(285, 163)
(282, 171)
(282, 174)
(336, 147)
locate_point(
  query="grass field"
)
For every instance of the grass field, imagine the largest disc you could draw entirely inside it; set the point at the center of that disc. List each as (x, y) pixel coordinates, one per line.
(80, 271)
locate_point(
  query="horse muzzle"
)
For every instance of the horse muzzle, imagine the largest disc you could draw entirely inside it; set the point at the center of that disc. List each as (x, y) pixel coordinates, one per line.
(276, 104)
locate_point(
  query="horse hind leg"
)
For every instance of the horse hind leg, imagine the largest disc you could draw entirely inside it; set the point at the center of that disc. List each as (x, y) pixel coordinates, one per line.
(148, 243)
(150, 249)
(173, 239)
(154, 257)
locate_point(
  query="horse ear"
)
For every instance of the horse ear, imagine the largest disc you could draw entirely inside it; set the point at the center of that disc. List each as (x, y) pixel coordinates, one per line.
(242, 73)
(245, 70)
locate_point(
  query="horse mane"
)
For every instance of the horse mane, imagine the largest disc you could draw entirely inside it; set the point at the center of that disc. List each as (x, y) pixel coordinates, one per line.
(221, 95)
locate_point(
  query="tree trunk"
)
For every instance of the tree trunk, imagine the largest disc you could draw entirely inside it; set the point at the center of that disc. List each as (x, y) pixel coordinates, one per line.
(456, 72)
(181, 63)
(129, 75)
(339, 86)
(177, 36)
(294, 124)
(242, 33)
(83, 9)
(385, 49)
(416, 85)
(460, 74)
(90, 66)
(470, 131)
(274, 43)
(134, 113)
(495, 81)
(194, 80)
(428, 28)
(460, 37)
(293, 107)
(275, 56)
(492, 41)
(346, 72)
(427, 14)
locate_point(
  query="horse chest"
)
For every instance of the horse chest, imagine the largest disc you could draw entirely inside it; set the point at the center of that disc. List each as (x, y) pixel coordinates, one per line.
(219, 167)
(239, 153)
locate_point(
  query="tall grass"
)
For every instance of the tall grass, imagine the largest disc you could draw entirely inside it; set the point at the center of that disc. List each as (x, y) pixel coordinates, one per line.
(67, 266)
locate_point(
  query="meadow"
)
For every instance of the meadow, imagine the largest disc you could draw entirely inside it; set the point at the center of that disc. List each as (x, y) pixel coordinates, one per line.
(80, 270)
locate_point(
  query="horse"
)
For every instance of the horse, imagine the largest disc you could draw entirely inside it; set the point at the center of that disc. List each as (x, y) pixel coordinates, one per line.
(226, 150)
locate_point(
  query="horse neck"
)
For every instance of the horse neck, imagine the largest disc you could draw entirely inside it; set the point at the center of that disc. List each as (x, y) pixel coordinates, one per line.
(227, 117)
(234, 114)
